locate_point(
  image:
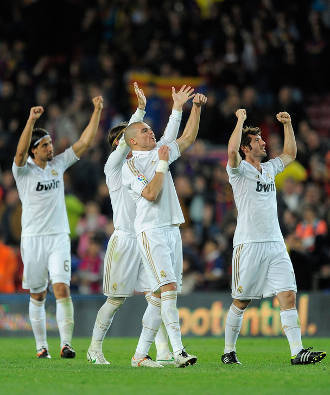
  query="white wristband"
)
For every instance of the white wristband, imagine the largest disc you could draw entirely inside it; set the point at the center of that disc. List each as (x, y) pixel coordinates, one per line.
(162, 166)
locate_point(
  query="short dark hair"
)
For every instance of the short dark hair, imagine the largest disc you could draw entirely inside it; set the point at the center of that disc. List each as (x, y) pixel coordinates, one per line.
(114, 134)
(246, 137)
(37, 134)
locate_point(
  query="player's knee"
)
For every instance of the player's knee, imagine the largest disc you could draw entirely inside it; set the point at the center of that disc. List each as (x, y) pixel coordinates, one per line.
(287, 300)
(241, 304)
(116, 301)
(61, 290)
(168, 287)
(39, 296)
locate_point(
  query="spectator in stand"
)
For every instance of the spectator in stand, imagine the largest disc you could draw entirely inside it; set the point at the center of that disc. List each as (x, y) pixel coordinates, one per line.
(90, 267)
(8, 267)
(310, 227)
(214, 266)
(92, 222)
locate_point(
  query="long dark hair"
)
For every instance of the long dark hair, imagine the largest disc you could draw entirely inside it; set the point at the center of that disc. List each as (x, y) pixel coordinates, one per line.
(246, 137)
(115, 134)
(37, 134)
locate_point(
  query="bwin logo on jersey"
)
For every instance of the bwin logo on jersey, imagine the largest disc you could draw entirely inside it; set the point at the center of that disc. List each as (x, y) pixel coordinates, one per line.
(265, 187)
(47, 185)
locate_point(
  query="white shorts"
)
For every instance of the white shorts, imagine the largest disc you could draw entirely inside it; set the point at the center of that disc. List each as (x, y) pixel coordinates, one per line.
(161, 250)
(43, 255)
(261, 270)
(123, 269)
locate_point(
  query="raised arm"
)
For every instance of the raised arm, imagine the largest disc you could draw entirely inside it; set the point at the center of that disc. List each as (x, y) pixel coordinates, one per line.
(152, 190)
(190, 131)
(142, 102)
(88, 135)
(25, 139)
(117, 156)
(234, 158)
(179, 99)
(290, 147)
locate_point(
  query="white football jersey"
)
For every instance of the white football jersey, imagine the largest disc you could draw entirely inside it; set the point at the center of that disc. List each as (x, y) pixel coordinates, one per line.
(255, 198)
(42, 195)
(137, 173)
(123, 207)
(122, 204)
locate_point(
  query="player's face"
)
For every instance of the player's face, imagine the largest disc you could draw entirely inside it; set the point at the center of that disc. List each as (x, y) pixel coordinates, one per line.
(44, 152)
(144, 138)
(258, 147)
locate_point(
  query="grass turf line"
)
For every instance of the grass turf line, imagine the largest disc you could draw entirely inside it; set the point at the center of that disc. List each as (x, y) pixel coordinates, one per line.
(266, 369)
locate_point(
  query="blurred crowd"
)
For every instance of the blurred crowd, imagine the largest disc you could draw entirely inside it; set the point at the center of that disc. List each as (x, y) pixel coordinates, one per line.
(262, 55)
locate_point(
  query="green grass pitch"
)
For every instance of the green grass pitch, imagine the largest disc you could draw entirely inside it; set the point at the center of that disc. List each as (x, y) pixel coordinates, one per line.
(265, 370)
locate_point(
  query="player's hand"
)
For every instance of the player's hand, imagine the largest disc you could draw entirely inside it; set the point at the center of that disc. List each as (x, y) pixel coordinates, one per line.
(199, 99)
(98, 102)
(142, 101)
(36, 112)
(241, 114)
(182, 96)
(163, 153)
(283, 117)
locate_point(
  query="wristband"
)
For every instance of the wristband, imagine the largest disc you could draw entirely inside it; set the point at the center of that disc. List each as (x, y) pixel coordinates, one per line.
(162, 166)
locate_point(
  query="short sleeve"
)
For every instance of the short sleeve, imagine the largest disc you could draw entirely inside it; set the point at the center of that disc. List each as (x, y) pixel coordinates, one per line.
(66, 159)
(277, 164)
(133, 178)
(19, 171)
(235, 172)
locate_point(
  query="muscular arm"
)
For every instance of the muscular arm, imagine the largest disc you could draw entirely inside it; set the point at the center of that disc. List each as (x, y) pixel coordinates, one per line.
(234, 158)
(179, 99)
(25, 139)
(190, 131)
(153, 189)
(89, 133)
(119, 154)
(290, 147)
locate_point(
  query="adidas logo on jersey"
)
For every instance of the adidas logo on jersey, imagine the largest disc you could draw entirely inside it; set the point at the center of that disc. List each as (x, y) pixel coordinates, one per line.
(265, 187)
(47, 185)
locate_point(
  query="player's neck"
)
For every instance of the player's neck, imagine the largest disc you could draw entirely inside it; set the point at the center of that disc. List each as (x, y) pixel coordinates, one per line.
(254, 162)
(40, 163)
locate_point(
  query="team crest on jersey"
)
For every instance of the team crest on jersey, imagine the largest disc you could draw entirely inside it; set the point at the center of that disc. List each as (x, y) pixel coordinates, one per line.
(54, 173)
(114, 286)
(240, 289)
(142, 178)
(162, 273)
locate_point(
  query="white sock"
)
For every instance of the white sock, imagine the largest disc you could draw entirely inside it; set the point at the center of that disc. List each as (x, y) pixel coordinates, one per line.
(64, 318)
(161, 343)
(291, 327)
(103, 321)
(37, 314)
(150, 324)
(170, 317)
(233, 327)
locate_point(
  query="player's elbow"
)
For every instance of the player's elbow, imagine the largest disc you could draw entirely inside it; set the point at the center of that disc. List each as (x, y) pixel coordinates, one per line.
(149, 194)
(232, 152)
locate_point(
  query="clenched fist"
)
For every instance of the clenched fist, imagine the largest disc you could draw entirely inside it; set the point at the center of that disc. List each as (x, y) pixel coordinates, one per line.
(283, 117)
(241, 114)
(98, 102)
(36, 112)
(199, 99)
(163, 153)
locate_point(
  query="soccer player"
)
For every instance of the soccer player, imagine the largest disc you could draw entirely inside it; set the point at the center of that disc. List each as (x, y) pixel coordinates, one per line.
(123, 270)
(157, 225)
(261, 264)
(45, 242)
